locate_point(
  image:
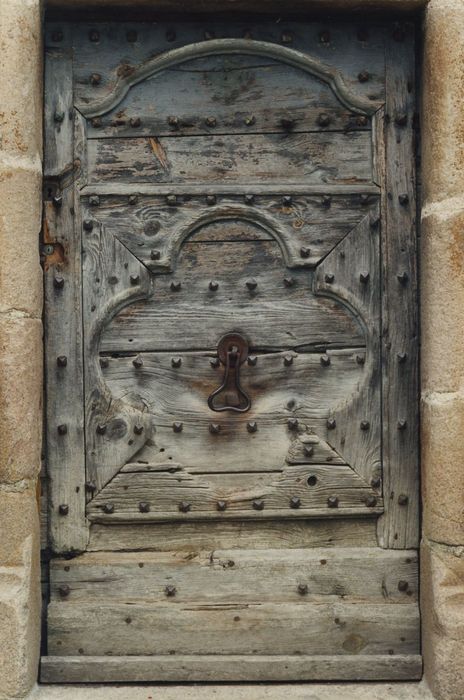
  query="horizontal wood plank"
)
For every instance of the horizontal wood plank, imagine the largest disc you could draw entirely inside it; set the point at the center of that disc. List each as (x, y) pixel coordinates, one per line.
(332, 157)
(104, 669)
(233, 576)
(240, 628)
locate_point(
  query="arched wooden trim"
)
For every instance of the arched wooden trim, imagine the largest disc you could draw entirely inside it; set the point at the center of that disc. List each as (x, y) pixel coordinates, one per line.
(328, 74)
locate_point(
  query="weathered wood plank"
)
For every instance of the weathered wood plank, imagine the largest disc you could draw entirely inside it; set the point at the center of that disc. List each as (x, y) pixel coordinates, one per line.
(166, 492)
(273, 315)
(240, 628)
(154, 230)
(197, 668)
(231, 576)
(251, 534)
(288, 158)
(146, 189)
(400, 349)
(58, 116)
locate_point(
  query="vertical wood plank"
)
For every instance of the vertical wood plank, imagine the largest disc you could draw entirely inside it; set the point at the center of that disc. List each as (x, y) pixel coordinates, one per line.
(63, 320)
(398, 528)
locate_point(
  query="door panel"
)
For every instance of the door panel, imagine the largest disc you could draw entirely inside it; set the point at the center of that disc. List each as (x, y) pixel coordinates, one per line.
(231, 352)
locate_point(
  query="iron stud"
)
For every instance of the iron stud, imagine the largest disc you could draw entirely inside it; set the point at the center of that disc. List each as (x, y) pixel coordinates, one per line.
(58, 282)
(371, 501)
(329, 278)
(323, 119)
(287, 124)
(324, 37)
(331, 424)
(101, 429)
(364, 277)
(249, 121)
(210, 121)
(302, 588)
(295, 502)
(305, 252)
(87, 225)
(133, 199)
(252, 360)
(292, 423)
(402, 424)
(213, 286)
(251, 284)
(61, 360)
(375, 482)
(94, 35)
(62, 429)
(363, 76)
(403, 200)
(58, 117)
(214, 428)
(170, 591)
(94, 200)
(95, 79)
(252, 426)
(90, 486)
(258, 504)
(104, 362)
(155, 255)
(289, 281)
(401, 119)
(57, 201)
(402, 357)
(137, 362)
(138, 429)
(221, 505)
(108, 508)
(364, 199)
(249, 199)
(210, 199)
(171, 199)
(144, 507)
(63, 509)
(176, 362)
(173, 122)
(287, 200)
(362, 120)
(177, 427)
(332, 502)
(308, 450)
(96, 122)
(134, 279)
(286, 37)
(215, 362)
(326, 201)
(184, 506)
(403, 278)
(135, 122)
(403, 500)
(365, 425)
(64, 590)
(360, 359)
(288, 360)
(325, 360)
(403, 586)
(208, 35)
(175, 286)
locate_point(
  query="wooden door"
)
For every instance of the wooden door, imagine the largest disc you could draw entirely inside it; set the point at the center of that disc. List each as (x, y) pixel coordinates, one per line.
(231, 339)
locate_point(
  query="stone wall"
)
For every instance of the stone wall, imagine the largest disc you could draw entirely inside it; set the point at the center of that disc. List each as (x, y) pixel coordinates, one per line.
(442, 280)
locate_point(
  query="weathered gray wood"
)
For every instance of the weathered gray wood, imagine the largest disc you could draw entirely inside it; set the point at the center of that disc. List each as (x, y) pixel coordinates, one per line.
(152, 224)
(234, 628)
(330, 157)
(252, 534)
(244, 94)
(352, 273)
(400, 526)
(167, 487)
(103, 669)
(63, 325)
(273, 316)
(224, 188)
(357, 575)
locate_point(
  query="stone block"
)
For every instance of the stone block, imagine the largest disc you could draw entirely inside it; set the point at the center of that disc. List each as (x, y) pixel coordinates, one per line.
(442, 603)
(442, 296)
(443, 97)
(21, 83)
(21, 280)
(21, 397)
(442, 459)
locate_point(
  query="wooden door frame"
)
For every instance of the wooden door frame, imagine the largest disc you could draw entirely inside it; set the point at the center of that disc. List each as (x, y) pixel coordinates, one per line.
(442, 403)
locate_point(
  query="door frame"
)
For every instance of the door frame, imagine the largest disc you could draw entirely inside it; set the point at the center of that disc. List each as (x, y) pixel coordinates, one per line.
(442, 403)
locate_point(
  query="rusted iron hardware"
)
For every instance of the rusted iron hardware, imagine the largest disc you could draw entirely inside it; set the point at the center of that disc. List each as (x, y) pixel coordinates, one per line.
(232, 353)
